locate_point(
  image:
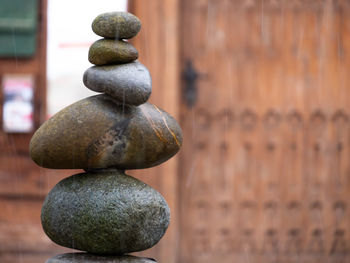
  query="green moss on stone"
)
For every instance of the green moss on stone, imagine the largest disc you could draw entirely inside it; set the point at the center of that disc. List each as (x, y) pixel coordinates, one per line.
(105, 212)
(108, 51)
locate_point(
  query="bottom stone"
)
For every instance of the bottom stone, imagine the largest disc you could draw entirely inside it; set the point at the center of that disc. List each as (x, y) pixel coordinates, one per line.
(105, 212)
(89, 258)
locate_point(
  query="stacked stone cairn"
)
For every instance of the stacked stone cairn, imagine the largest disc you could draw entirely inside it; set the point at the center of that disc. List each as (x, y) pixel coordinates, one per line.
(103, 211)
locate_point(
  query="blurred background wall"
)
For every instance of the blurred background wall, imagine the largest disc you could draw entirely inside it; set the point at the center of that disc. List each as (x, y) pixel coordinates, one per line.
(68, 42)
(43, 51)
(261, 90)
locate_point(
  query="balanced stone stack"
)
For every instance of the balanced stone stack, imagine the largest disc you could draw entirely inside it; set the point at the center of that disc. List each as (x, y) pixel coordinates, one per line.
(103, 211)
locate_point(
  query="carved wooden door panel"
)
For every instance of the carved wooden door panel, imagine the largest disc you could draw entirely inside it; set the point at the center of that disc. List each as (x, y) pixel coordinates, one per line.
(265, 174)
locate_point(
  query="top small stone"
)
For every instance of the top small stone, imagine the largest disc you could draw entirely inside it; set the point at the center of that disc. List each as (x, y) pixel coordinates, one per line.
(116, 25)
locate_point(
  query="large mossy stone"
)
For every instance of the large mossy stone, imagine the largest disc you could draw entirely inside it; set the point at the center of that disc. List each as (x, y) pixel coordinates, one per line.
(97, 132)
(116, 25)
(90, 258)
(109, 51)
(104, 212)
(129, 83)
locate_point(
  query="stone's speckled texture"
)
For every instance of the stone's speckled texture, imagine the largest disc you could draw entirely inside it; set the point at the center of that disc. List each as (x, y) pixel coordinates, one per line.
(116, 25)
(96, 132)
(105, 212)
(129, 83)
(89, 258)
(108, 51)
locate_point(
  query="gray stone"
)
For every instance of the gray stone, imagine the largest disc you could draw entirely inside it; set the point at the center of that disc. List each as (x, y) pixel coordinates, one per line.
(89, 258)
(129, 83)
(97, 132)
(116, 25)
(109, 51)
(104, 212)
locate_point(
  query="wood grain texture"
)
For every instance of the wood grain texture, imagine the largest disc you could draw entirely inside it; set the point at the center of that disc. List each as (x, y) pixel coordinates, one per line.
(24, 257)
(265, 175)
(157, 44)
(21, 234)
(20, 176)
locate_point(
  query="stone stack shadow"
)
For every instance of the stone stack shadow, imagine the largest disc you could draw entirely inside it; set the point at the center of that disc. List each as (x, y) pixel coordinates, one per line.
(103, 211)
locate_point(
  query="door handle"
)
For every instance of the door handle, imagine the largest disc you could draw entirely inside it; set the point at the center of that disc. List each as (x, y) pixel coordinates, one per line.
(190, 77)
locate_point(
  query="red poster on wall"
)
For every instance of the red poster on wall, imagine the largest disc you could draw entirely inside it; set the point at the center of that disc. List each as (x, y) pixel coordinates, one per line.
(18, 106)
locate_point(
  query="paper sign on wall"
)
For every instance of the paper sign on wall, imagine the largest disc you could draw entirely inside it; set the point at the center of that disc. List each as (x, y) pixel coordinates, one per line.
(18, 106)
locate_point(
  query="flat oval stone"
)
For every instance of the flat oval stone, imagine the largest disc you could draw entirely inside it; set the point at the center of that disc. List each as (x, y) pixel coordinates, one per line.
(104, 212)
(109, 51)
(97, 132)
(116, 25)
(129, 83)
(90, 258)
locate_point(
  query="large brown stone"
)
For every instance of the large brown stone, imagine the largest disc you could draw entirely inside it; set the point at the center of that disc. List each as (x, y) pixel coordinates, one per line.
(98, 132)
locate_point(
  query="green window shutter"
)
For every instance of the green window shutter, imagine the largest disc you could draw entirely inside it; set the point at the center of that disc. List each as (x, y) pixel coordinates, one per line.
(18, 27)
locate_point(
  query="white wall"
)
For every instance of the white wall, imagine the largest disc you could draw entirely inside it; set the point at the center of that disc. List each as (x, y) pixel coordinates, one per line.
(69, 38)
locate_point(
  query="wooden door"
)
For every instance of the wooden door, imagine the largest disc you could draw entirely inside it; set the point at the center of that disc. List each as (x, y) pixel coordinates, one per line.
(265, 165)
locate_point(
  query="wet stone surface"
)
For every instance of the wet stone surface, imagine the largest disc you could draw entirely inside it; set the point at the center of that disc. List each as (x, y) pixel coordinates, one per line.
(89, 258)
(104, 212)
(97, 132)
(109, 51)
(129, 83)
(116, 25)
